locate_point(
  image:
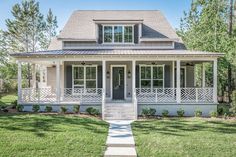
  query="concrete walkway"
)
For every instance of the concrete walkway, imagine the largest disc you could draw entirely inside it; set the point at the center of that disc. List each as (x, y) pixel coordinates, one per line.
(120, 141)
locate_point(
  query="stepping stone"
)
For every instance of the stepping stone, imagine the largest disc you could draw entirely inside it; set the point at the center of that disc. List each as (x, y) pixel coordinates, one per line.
(120, 152)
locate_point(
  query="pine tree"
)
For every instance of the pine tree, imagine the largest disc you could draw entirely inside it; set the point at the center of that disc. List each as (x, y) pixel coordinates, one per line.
(25, 29)
(50, 31)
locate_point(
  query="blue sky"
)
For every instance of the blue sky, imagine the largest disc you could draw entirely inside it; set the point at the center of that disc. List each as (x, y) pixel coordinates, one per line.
(172, 9)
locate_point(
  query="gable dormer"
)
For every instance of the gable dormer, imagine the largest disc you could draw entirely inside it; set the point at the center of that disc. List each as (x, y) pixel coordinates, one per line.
(118, 30)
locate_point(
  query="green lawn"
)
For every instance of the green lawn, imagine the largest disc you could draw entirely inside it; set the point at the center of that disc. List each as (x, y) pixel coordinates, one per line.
(23, 135)
(187, 137)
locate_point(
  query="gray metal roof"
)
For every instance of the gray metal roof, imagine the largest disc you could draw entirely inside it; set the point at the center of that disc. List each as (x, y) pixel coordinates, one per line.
(114, 52)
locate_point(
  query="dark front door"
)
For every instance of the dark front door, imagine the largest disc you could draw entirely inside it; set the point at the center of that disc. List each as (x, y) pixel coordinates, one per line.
(118, 83)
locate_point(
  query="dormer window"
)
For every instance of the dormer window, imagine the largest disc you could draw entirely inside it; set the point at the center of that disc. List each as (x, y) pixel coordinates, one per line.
(118, 34)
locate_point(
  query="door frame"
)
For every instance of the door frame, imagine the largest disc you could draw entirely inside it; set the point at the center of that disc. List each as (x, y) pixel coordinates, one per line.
(111, 82)
(185, 75)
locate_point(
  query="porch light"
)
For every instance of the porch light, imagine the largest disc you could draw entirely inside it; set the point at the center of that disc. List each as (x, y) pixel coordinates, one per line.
(108, 74)
(83, 63)
(129, 74)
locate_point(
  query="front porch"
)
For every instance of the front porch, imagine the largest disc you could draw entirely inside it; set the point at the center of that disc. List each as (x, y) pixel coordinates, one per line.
(137, 81)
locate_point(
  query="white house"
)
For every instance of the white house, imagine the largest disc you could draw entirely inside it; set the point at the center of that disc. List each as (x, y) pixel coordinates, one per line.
(119, 62)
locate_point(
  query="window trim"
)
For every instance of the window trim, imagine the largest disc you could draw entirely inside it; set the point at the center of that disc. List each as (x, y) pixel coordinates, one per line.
(123, 35)
(163, 78)
(84, 79)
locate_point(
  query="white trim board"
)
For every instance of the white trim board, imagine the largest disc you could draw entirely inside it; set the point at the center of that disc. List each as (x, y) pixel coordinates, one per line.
(111, 80)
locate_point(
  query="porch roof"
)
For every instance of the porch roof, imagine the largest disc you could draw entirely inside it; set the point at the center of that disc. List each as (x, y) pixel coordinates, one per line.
(53, 53)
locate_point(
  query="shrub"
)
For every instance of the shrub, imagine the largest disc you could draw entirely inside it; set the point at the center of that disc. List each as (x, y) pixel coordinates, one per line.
(213, 114)
(92, 111)
(220, 110)
(36, 108)
(198, 113)
(165, 113)
(19, 108)
(63, 109)
(76, 108)
(180, 112)
(48, 108)
(147, 112)
(14, 104)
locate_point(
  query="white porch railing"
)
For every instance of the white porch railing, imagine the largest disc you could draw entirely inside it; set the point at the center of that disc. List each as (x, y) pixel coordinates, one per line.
(168, 95)
(198, 95)
(48, 95)
(156, 95)
(38, 95)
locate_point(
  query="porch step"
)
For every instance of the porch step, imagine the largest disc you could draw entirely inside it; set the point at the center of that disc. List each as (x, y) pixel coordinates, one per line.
(119, 111)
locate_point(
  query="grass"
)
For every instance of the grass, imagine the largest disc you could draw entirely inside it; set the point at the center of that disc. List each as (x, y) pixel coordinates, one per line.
(179, 137)
(7, 99)
(26, 135)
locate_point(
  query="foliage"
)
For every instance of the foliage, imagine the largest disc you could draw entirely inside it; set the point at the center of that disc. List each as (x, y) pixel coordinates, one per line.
(220, 110)
(148, 112)
(213, 114)
(48, 108)
(180, 112)
(19, 108)
(76, 108)
(165, 113)
(63, 109)
(198, 113)
(92, 111)
(14, 104)
(36, 108)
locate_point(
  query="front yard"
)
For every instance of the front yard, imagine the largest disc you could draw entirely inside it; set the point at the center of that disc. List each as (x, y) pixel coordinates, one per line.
(194, 137)
(23, 135)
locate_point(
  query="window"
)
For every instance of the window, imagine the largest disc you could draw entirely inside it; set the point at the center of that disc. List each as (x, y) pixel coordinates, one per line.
(107, 34)
(151, 76)
(84, 76)
(128, 34)
(118, 34)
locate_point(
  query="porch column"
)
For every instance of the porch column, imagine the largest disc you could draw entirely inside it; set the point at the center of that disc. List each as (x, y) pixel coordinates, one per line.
(134, 89)
(203, 76)
(19, 82)
(173, 74)
(58, 81)
(215, 81)
(34, 75)
(103, 86)
(178, 90)
(41, 75)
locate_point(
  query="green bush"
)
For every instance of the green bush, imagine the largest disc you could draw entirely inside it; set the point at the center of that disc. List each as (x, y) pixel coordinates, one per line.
(198, 113)
(76, 108)
(14, 104)
(165, 113)
(48, 108)
(36, 108)
(92, 111)
(213, 114)
(63, 109)
(19, 108)
(220, 110)
(180, 112)
(147, 112)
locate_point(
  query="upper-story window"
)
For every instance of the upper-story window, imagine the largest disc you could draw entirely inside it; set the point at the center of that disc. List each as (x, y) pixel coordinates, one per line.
(118, 34)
